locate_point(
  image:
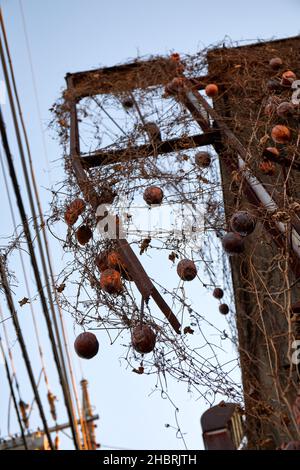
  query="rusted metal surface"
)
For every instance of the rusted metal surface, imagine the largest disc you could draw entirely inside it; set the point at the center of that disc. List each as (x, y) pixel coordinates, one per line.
(135, 268)
(222, 427)
(129, 153)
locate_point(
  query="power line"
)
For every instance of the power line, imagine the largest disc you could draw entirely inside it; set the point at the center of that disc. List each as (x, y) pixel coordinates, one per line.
(13, 394)
(39, 344)
(58, 358)
(22, 404)
(36, 193)
(34, 85)
(48, 255)
(19, 333)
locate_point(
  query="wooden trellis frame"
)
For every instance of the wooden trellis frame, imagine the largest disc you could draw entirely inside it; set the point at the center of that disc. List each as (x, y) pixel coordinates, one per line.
(103, 81)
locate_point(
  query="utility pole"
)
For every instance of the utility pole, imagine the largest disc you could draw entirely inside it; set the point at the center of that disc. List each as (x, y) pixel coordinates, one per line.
(264, 297)
(265, 332)
(87, 412)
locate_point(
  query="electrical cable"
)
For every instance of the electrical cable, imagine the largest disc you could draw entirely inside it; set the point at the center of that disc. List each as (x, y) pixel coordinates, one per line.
(17, 326)
(12, 364)
(36, 192)
(39, 343)
(33, 82)
(13, 394)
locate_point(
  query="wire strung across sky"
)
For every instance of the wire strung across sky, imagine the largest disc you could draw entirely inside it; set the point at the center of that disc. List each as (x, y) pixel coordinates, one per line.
(44, 258)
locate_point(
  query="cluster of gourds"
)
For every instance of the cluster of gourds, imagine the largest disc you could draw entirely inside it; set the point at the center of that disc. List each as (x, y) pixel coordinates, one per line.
(112, 269)
(284, 110)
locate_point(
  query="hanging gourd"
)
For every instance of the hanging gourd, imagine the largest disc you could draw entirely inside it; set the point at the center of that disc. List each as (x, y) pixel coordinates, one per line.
(143, 339)
(86, 345)
(186, 270)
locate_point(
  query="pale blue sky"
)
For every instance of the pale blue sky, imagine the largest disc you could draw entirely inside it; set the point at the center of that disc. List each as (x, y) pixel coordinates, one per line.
(73, 35)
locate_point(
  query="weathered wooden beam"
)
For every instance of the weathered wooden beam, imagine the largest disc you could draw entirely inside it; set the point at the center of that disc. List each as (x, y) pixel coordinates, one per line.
(122, 78)
(101, 157)
(125, 78)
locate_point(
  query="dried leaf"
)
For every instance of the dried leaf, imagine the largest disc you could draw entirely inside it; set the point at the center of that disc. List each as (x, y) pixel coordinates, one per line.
(144, 245)
(173, 256)
(139, 371)
(61, 288)
(24, 301)
(188, 330)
